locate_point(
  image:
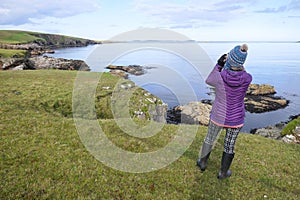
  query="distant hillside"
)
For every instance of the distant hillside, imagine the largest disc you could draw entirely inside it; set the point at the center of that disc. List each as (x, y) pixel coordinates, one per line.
(13, 37)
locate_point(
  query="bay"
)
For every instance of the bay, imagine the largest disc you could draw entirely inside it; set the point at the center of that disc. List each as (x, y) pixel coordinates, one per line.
(175, 79)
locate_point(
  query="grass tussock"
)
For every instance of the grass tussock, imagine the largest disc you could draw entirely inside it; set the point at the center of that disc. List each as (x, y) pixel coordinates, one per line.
(290, 127)
(42, 156)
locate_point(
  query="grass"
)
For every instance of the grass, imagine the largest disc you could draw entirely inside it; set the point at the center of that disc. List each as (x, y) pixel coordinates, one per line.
(42, 156)
(288, 129)
(17, 37)
(24, 37)
(12, 53)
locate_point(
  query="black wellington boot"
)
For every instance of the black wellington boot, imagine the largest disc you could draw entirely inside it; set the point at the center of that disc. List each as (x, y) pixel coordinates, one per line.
(225, 164)
(205, 153)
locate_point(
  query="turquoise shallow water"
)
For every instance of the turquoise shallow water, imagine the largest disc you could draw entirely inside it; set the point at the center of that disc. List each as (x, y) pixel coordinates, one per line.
(175, 80)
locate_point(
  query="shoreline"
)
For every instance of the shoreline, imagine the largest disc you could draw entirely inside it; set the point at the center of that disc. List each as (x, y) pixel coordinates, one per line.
(42, 62)
(250, 128)
(260, 98)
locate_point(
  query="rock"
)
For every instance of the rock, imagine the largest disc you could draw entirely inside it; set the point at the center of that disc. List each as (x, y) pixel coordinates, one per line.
(274, 132)
(136, 70)
(260, 104)
(45, 62)
(38, 52)
(263, 89)
(34, 49)
(106, 87)
(20, 67)
(9, 63)
(192, 113)
(15, 64)
(59, 41)
(260, 98)
(291, 139)
(119, 73)
(158, 113)
(296, 131)
(140, 115)
(29, 46)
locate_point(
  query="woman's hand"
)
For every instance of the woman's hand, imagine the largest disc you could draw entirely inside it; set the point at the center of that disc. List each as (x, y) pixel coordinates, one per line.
(222, 60)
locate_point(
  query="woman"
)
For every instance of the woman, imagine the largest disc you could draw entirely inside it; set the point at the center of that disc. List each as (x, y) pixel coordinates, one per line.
(231, 82)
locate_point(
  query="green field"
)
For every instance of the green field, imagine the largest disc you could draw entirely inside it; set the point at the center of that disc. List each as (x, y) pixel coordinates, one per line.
(42, 156)
(9, 53)
(17, 37)
(25, 37)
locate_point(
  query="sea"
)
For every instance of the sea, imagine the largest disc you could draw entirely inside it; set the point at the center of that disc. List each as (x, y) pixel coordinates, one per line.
(175, 71)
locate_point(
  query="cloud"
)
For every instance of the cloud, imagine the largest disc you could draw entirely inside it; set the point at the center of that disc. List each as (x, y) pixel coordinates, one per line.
(192, 13)
(228, 3)
(293, 5)
(18, 12)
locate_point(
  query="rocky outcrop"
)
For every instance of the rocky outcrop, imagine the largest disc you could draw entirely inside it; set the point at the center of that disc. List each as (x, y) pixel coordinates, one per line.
(45, 62)
(275, 132)
(192, 113)
(119, 73)
(260, 104)
(29, 46)
(60, 41)
(123, 71)
(260, 98)
(45, 43)
(293, 138)
(32, 49)
(42, 62)
(262, 89)
(15, 64)
(272, 132)
(158, 113)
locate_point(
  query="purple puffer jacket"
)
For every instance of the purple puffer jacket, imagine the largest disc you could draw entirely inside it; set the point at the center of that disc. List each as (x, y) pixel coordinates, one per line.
(230, 86)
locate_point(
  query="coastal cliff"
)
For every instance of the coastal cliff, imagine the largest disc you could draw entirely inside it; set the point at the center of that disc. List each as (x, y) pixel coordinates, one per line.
(21, 50)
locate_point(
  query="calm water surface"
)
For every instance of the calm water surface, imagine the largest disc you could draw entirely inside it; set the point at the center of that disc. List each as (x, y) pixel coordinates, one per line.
(176, 81)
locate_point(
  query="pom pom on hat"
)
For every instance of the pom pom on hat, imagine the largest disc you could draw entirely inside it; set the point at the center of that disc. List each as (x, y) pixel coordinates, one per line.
(237, 57)
(244, 48)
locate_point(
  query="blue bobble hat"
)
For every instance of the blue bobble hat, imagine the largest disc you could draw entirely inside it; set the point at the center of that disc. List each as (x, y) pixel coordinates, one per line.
(236, 57)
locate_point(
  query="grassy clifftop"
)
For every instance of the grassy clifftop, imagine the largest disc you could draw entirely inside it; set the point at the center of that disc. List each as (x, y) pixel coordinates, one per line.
(25, 37)
(42, 156)
(16, 44)
(17, 37)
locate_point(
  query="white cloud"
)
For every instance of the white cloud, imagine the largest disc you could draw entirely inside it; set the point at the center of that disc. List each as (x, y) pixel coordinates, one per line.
(192, 13)
(17, 12)
(293, 5)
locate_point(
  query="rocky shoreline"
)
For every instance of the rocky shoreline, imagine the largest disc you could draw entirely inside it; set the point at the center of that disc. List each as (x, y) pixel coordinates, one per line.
(123, 71)
(259, 98)
(198, 112)
(45, 43)
(275, 131)
(42, 62)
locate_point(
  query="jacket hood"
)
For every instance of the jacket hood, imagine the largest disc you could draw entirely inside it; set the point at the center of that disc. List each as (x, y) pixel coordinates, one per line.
(234, 78)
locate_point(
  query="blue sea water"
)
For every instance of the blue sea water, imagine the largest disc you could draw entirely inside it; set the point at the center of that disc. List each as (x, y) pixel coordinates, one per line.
(176, 80)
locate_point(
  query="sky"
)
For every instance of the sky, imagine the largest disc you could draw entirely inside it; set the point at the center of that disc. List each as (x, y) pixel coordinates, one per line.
(203, 20)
